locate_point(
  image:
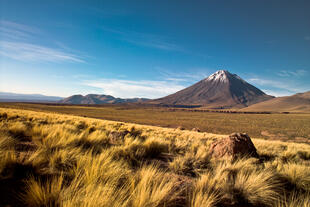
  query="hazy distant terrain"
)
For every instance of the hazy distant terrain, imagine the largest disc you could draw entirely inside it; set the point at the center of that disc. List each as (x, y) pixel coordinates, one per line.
(9, 97)
(99, 99)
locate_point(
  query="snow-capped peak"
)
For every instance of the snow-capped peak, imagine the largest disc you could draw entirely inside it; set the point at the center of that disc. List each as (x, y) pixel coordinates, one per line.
(220, 75)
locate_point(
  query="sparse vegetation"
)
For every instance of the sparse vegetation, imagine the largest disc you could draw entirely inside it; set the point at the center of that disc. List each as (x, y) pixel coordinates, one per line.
(61, 160)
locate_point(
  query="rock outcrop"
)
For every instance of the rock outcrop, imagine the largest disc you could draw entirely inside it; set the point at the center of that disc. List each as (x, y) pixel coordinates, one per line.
(237, 144)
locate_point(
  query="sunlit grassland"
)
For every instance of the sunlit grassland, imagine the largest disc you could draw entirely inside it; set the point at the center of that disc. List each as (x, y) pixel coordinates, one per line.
(293, 127)
(50, 159)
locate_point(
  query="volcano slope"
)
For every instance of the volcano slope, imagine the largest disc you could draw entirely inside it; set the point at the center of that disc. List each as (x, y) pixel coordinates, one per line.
(61, 160)
(220, 90)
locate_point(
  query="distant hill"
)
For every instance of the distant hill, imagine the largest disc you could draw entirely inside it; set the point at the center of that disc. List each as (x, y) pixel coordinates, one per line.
(99, 99)
(15, 97)
(299, 102)
(220, 90)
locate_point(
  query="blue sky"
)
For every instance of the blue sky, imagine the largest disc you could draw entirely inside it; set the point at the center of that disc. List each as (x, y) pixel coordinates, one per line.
(151, 48)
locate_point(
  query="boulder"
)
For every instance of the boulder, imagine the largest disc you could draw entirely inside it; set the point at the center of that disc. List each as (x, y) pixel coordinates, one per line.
(236, 144)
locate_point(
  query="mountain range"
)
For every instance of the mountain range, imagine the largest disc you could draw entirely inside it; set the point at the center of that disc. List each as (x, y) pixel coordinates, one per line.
(99, 99)
(17, 97)
(220, 90)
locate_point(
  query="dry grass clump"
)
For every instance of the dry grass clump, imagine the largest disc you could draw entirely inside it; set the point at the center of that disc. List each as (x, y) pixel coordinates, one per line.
(43, 193)
(135, 152)
(296, 174)
(295, 199)
(59, 160)
(154, 188)
(205, 192)
(190, 164)
(239, 183)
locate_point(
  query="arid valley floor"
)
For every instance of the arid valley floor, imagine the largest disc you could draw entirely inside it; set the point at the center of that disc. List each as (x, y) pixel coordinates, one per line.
(275, 126)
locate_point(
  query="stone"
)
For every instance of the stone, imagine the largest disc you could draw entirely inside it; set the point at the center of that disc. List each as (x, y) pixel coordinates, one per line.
(236, 144)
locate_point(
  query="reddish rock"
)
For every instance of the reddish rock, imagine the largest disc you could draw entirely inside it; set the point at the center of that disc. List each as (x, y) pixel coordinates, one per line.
(237, 144)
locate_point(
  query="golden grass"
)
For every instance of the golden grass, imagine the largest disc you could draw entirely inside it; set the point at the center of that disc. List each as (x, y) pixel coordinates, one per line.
(62, 160)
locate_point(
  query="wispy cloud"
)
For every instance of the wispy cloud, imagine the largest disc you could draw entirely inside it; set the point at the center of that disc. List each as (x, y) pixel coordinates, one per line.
(296, 73)
(276, 87)
(31, 52)
(131, 89)
(154, 41)
(145, 39)
(166, 83)
(14, 30)
(278, 92)
(199, 74)
(16, 44)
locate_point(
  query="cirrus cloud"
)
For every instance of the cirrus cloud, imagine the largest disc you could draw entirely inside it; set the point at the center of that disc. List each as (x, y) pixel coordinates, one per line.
(16, 43)
(132, 89)
(278, 87)
(144, 39)
(32, 52)
(288, 73)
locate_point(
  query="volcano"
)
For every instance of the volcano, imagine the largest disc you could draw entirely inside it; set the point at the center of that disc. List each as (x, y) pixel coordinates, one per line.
(221, 90)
